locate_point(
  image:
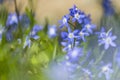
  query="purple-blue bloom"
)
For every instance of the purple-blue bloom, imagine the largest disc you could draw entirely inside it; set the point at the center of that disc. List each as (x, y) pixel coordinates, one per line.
(24, 20)
(106, 70)
(78, 16)
(74, 54)
(107, 39)
(89, 27)
(108, 8)
(73, 10)
(35, 30)
(64, 21)
(81, 34)
(52, 31)
(27, 42)
(68, 36)
(12, 19)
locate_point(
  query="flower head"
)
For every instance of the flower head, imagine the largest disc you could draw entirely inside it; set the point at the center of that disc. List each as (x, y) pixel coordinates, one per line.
(64, 21)
(24, 20)
(106, 70)
(27, 42)
(81, 34)
(52, 31)
(74, 54)
(35, 30)
(73, 10)
(12, 19)
(108, 8)
(89, 27)
(107, 39)
(78, 16)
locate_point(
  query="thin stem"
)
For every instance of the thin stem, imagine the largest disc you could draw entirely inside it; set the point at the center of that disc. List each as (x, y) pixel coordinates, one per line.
(101, 56)
(71, 24)
(17, 13)
(55, 50)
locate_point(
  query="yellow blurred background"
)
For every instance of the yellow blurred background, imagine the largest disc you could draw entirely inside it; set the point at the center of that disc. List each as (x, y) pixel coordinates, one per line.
(55, 9)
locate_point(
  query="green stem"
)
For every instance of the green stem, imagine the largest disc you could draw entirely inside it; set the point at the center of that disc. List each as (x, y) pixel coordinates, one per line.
(101, 56)
(55, 50)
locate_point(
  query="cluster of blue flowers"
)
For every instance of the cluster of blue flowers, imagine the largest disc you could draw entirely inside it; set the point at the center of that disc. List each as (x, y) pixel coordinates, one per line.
(78, 26)
(13, 23)
(74, 33)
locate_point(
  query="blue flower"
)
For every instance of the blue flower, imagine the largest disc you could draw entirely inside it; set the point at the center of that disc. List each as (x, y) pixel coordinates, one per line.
(89, 27)
(9, 35)
(69, 36)
(107, 39)
(78, 16)
(24, 20)
(27, 42)
(108, 8)
(67, 46)
(81, 34)
(12, 19)
(74, 54)
(52, 31)
(73, 10)
(88, 72)
(106, 70)
(102, 33)
(35, 30)
(64, 21)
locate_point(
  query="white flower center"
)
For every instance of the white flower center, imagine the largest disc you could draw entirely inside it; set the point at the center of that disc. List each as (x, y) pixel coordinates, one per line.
(88, 26)
(64, 20)
(52, 31)
(77, 15)
(105, 69)
(81, 33)
(108, 40)
(14, 18)
(69, 46)
(71, 35)
(74, 53)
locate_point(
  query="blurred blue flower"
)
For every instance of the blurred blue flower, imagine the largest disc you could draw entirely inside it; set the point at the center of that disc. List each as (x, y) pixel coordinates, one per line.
(74, 54)
(24, 20)
(81, 34)
(106, 70)
(73, 10)
(64, 21)
(12, 19)
(27, 42)
(35, 30)
(102, 33)
(9, 35)
(107, 39)
(108, 8)
(67, 46)
(89, 27)
(88, 72)
(52, 31)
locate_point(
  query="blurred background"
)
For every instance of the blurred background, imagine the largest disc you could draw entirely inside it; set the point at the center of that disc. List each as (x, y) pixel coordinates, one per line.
(55, 9)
